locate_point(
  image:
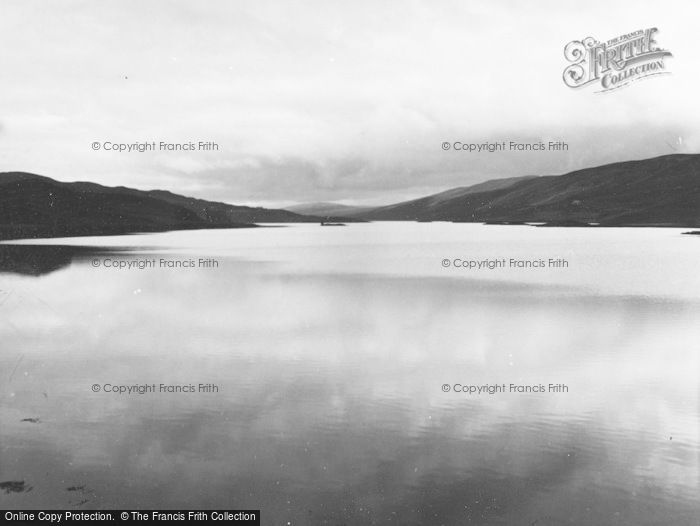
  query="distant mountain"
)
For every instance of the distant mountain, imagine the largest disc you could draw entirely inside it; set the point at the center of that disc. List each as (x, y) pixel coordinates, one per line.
(33, 206)
(663, 191)
(425, 208)
(328, 209)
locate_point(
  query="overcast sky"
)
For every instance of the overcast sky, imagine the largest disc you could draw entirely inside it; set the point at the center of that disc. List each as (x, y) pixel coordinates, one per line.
(322, 100)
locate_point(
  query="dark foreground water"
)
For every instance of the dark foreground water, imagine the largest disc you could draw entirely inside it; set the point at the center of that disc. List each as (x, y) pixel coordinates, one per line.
(329, 348)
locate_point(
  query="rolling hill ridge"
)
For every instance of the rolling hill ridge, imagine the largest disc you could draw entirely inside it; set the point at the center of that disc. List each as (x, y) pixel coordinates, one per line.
(662, 191)
(34, 206)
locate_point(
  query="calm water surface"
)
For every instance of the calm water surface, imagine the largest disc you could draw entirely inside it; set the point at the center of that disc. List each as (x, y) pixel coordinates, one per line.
(330, 347)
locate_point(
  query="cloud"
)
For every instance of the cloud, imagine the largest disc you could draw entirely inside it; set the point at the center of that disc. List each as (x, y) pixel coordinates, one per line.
(322, 101)
(423, 169)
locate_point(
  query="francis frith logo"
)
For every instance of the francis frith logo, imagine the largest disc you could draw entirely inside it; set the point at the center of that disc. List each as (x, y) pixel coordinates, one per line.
(616, 62)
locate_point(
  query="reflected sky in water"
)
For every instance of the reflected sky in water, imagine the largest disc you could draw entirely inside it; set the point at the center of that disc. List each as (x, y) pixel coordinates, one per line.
(330, 347)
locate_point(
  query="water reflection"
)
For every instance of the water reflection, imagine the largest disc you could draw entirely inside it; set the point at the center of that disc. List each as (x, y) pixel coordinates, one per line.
(330, 408)
(38, 260)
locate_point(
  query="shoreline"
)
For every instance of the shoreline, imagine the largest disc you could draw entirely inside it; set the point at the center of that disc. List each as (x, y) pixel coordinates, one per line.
(118, 232)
